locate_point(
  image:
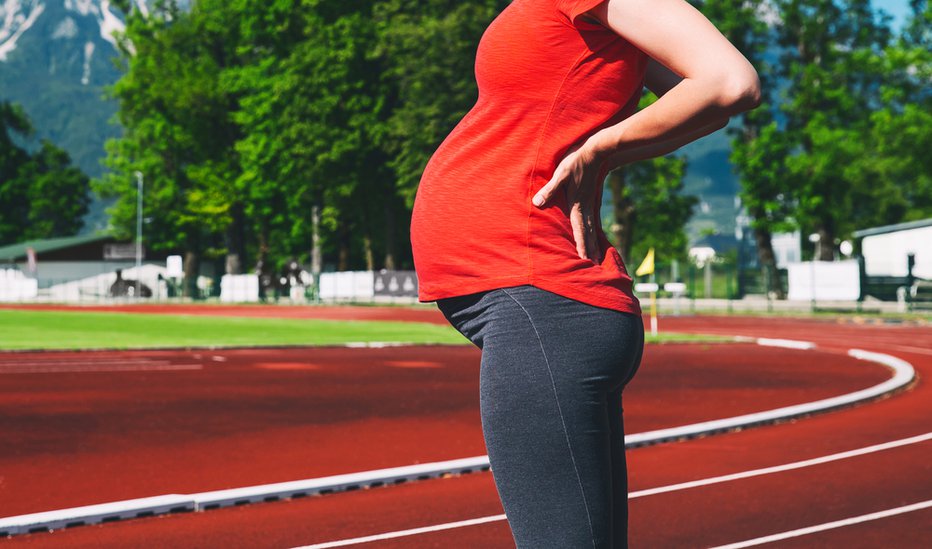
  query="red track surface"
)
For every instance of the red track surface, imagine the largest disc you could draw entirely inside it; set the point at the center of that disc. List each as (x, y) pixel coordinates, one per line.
(256, 419)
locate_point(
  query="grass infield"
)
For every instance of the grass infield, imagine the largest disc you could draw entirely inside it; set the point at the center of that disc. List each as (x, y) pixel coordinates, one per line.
(100, 330)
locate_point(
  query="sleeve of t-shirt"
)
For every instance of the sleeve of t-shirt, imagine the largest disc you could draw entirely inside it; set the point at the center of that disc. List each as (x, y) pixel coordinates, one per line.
(572, 8)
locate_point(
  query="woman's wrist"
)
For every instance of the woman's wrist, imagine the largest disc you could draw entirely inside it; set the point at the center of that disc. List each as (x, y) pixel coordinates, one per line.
(603, 145)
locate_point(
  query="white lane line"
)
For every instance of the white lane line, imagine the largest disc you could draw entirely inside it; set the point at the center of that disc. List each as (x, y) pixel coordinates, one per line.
(784, 467)
(911, 349)
(829, 525)
(653, 491)
(79, 361)
(402, 533)
(785, 343)
(903, 374)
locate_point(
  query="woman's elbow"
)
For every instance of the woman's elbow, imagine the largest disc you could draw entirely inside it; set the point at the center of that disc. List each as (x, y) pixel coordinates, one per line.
(741, 92)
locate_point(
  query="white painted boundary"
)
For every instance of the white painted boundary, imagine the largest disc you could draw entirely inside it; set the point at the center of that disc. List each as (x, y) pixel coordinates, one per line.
(830, 525)
(403, 533)
(659, 490)
(903, 375)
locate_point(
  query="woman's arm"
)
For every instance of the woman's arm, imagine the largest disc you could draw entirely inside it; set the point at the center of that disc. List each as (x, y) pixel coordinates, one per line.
(715, 82)
(659, 80)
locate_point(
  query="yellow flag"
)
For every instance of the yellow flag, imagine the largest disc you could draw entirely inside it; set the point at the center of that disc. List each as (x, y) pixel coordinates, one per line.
(647, 266)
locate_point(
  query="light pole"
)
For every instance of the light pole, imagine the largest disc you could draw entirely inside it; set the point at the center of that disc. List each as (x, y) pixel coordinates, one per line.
(816, 239)
(138, 232)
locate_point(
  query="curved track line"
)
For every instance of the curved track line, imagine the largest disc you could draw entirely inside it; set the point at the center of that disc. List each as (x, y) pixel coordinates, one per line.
(674, 488)
(404, 533)
(904, 373)
(830, 525)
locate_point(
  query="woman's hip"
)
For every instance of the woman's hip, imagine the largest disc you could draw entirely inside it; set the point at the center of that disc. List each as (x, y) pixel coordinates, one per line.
(577, 339)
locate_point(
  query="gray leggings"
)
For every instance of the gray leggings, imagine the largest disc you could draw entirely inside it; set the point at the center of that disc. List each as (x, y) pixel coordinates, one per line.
(550, 386)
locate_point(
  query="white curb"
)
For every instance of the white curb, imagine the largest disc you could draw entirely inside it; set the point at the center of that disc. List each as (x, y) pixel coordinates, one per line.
(91, 514)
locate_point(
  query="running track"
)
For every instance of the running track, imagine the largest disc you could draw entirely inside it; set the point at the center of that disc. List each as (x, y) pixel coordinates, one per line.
(241, 418)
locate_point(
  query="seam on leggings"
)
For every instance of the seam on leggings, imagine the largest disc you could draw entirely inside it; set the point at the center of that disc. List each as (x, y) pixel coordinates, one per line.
(560, 411)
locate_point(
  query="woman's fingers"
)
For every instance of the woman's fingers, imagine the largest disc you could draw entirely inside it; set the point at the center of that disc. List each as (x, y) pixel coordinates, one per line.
(574, 176)
(545, 192)
(584, 223)
(578, 224)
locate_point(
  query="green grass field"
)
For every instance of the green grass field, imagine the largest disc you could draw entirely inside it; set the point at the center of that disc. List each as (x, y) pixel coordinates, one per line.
(97, 330)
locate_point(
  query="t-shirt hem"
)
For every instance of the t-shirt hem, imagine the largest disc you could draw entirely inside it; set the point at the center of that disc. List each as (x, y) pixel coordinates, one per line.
(612, 298)
(427, 294)
(606, 298)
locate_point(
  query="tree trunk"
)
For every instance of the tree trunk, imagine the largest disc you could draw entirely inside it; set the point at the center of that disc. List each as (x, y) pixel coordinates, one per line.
(367, 249)
(316, 256)
(368, 254)
(235, 242)
(768, 260)
(343, 254)
(623, 215)
(826, 244)
(192, 267)
(389, 232)
(262, 266)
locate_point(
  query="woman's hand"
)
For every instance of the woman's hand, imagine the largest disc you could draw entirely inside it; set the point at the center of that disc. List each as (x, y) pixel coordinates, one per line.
(580, 175)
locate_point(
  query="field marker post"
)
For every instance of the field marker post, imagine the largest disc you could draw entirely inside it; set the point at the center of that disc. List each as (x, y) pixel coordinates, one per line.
(139, 187)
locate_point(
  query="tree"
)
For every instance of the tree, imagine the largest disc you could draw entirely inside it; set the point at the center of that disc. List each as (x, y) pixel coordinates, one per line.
(758, 147)
(41, 194)
(895, 168)
(830, 97)
(13, 216)
(648, 207)
(57, 194)
(176, 131)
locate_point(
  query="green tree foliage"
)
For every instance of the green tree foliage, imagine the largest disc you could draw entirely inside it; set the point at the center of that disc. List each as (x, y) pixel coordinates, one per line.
(244, 116)
(311, 117)
(41, 194)
(758, 148)
(178, 131)
(13, 121)
(430, 50)
(649, 209)
(832, 92)
(895, 168)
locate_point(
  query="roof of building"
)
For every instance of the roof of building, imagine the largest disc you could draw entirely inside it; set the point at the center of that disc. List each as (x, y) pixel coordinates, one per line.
(15, 252)
(893, 228)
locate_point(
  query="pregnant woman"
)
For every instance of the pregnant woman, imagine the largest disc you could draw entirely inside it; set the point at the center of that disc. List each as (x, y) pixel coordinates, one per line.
(507, 237)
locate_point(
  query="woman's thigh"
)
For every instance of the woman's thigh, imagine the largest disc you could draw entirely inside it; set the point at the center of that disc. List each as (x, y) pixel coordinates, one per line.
(550, 387)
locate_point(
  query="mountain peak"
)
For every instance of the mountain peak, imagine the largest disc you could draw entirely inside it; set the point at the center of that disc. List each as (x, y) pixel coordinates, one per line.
(19, 18)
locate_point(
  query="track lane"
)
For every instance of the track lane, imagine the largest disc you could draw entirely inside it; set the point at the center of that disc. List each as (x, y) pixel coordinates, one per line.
(702, 516)
(831, 432)
(259, 417)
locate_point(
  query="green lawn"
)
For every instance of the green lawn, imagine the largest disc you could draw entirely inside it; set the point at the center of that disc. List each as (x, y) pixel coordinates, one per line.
(98, 330)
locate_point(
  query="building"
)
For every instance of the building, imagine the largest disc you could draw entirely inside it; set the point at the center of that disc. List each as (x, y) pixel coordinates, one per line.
(886, 249)
(77, 267)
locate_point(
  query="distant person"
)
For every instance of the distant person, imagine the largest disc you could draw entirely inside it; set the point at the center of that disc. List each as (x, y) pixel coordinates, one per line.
(266, 282)
(123, 287)
(507, 237)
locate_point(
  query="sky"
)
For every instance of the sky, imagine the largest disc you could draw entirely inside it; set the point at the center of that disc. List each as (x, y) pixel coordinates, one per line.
(899, 9)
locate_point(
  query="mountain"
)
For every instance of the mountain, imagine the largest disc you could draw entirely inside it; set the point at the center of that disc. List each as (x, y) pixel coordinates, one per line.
(56, 58)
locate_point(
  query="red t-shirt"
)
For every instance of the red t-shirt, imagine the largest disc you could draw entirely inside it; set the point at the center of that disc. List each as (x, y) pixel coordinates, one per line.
(547, 80)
